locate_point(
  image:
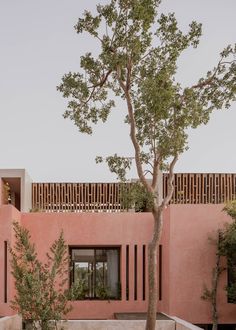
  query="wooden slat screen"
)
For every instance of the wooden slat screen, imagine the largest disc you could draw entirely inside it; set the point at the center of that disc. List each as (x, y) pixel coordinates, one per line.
(77, 197)
(189, 188)
(202, 188)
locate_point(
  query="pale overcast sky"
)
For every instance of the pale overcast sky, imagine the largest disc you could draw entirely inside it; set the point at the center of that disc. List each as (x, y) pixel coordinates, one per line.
(38, 45)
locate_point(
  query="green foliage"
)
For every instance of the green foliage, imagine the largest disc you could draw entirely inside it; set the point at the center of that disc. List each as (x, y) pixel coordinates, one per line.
(102, 292)
(40, 288)
(35, 210)
(228, 249)
(136, 197)
(207, 294)
(231, 291)
(117, 165)
(228, 242)
(211, 294)
(79, 290)
(230, 208)
(138, 49)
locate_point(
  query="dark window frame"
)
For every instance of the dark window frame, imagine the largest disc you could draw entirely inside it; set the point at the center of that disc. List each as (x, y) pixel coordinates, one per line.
(96, 247)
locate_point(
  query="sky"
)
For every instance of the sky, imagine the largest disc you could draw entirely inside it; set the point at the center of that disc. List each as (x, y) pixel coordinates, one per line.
(38, 45)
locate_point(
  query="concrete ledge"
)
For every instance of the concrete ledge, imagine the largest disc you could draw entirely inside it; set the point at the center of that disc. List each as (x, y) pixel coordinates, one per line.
(113, 325)
(15, 323)
(11, 323)
(184, 325)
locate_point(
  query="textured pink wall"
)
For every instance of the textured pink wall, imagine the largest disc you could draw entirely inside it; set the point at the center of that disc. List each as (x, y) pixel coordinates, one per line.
(97, 229)
(188, 257)
(8, 214)
(191, 262)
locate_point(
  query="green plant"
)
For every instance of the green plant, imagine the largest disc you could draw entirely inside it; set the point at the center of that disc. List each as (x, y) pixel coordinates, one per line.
(210, 294)
(79, 290)
(136, 197)
(228, 249)
(102, 292)
(41, 297)
(35, 210)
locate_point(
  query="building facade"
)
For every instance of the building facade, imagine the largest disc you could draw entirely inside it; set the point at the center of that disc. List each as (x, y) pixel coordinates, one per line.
(108, 244)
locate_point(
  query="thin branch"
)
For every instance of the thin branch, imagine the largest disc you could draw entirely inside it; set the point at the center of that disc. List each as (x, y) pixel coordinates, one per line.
(167, 199)
(112, 39)
(147, 171)
(129, 69)
(97, 37)
(150, 164)
(99, 84)
(209, 80)
(148, 53)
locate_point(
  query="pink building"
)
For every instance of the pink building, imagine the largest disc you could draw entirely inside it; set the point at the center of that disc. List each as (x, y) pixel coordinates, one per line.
(108, 245)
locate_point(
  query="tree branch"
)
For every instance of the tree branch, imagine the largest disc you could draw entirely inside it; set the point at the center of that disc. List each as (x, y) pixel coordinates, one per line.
(133, 137)
(99, 84)
(156, 167)
(209, 80)
(167, 199)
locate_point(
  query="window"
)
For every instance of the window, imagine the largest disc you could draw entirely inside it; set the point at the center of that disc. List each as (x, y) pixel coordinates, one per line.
(95, 273)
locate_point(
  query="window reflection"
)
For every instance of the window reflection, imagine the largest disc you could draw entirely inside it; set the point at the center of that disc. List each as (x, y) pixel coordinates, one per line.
(95, 273)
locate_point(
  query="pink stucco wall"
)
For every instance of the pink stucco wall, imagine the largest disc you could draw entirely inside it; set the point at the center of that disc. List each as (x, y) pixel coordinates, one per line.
(96, 229)
(187, 256)
(8, 214)
(191, 261)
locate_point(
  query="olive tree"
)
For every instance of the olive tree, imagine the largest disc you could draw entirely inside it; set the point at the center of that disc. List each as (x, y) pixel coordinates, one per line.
(41, 294)
(136, 60)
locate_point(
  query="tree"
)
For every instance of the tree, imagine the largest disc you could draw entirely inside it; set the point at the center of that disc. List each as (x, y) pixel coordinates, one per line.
(211, 294)
(228, 249)
(40, 288)
(225, 243)
(137, 58)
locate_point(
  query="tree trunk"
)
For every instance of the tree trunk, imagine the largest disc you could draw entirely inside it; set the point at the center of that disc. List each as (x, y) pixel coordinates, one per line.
(215, 280)
(152, 268)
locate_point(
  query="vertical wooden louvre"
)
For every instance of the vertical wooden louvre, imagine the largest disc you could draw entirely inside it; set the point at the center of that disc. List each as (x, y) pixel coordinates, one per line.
(202, 188)
(189, 188)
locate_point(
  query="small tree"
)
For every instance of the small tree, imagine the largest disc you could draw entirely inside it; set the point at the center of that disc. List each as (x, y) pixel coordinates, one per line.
(225, 243)
(137, 61)
(40, 288)
(210, 294)
(228, 249)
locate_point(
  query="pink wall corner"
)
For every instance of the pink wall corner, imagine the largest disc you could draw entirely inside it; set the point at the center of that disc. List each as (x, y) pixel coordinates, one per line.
(192, 260)
(8, 214)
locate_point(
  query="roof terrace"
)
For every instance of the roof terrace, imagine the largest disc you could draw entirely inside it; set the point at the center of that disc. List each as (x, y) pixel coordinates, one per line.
(190, 188)
(17, 188)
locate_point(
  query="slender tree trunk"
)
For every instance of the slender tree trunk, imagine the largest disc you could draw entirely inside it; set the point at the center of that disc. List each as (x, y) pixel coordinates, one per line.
(215, 280)
(152, 268)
